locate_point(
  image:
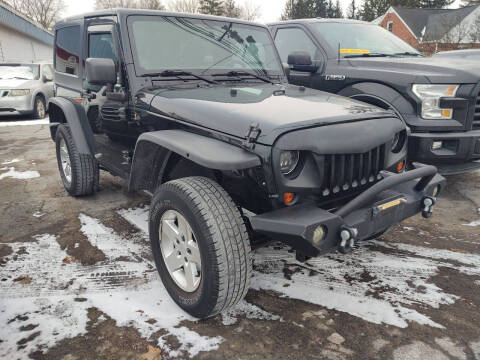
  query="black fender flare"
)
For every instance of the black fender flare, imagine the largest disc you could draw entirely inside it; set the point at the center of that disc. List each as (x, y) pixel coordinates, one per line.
(153, 149)
(376, 93)
(76, 118)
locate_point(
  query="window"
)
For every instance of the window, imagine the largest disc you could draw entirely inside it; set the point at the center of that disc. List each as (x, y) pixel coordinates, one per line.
(290, 40)
(100, 45)
(390, 25)
(200, 45)
(67, 50)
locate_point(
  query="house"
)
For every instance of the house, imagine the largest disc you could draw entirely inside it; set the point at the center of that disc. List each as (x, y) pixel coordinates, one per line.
(432, 30)
(21, 39)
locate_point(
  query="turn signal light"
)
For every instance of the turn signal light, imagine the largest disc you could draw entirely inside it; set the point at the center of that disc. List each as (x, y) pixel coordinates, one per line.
(400, 166)
(288, 198)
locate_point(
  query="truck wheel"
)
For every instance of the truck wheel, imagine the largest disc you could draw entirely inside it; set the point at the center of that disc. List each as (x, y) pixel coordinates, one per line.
(200, 245)
(79, 172)
(39, 108)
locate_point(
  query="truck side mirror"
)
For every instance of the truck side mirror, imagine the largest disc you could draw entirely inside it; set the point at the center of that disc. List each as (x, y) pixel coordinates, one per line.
(301, 61)
(101, 71)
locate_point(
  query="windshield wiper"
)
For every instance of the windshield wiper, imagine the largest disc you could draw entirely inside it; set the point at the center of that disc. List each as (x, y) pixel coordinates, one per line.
(369, 55)
(408, 53)
(179, 74)
(236, 73)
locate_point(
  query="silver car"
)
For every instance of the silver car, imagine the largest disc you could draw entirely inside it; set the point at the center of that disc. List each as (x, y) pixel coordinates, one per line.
(25, 88)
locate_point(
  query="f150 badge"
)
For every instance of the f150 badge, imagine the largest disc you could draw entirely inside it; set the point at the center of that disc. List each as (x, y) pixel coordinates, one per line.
(335, 77)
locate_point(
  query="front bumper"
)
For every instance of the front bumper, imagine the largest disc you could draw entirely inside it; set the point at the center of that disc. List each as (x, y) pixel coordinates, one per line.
(457, 155)
(364, 216)
(16, 105)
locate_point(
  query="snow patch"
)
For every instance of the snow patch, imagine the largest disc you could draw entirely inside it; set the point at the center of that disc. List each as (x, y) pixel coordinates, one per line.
(125, 287)
(38, 214)
(11, 161)
(473, 223)
(250, 311)
(24, 123)
(29, 174)
(137, 217)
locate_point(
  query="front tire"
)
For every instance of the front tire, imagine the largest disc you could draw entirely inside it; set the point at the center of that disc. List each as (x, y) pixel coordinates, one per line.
(222, 266)
(39, 108)
(79, 172)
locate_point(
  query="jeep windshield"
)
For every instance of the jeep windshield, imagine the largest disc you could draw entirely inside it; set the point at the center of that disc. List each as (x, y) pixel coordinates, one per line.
(362, 40)
(202, 47)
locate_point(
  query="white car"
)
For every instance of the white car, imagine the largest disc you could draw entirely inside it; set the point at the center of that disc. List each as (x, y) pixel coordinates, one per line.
(25, 88)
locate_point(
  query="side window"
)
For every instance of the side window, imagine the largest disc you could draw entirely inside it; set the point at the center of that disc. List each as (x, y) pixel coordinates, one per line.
(390, 26)
(100, 45)
(290, 40)
(67, 50)
(48, 71)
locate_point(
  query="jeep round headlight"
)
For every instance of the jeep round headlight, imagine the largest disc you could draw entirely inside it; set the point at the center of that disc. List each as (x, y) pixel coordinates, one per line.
(398, 141)
(289, 161)
(430, 95)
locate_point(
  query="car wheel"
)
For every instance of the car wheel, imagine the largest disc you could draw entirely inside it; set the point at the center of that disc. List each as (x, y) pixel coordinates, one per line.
(79, 172)
(39, 108)
(200, 245)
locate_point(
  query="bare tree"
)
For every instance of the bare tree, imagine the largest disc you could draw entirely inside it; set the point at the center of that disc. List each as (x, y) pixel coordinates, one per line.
(133, 4)
(250, 11)
(44, 12)
(474, 31)
(185, 6)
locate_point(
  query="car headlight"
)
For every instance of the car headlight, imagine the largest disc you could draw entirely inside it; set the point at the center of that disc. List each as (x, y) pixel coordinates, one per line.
(289, 161)
(19, 92)
(430, 96)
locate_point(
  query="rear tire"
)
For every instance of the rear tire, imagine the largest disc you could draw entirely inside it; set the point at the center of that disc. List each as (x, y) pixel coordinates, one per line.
(79, 172)
(223, 276)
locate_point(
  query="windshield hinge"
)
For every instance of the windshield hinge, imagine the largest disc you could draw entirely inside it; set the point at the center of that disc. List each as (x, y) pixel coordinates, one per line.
(252, 136)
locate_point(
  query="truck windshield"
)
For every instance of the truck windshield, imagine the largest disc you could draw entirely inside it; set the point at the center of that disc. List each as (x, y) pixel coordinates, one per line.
(200, 46)
(363, 40)
(27, 72)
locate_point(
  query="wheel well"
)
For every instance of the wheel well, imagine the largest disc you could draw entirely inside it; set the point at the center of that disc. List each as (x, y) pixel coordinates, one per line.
(377, 101)
(56, 115)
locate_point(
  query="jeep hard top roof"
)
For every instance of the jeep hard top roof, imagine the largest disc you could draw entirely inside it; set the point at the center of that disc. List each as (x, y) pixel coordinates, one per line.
(121, 12)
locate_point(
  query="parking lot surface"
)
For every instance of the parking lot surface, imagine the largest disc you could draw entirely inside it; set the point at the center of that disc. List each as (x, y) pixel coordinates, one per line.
(77, 280)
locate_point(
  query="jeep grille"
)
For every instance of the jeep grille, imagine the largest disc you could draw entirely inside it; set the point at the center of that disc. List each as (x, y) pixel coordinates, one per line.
(344, 172)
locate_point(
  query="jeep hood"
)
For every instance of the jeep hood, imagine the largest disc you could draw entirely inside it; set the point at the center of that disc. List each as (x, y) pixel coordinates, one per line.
(419, 69)
(275, 108)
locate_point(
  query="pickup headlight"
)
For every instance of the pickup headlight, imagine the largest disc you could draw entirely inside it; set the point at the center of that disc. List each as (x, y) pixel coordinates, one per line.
(19, 92)
(289, 161)
(430, 96)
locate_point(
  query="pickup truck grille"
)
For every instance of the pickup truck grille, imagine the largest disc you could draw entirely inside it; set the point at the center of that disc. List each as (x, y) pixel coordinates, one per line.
(476, 115)
(344, 172)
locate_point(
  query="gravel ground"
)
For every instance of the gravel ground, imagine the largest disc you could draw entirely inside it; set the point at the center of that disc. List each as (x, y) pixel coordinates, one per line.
(77, 280)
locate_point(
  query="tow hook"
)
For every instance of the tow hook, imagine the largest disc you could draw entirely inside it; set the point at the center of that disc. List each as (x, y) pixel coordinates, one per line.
(347, 239)
(428, 203)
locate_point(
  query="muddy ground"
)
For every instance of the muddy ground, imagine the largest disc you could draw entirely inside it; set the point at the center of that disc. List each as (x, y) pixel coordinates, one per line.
(77, 280)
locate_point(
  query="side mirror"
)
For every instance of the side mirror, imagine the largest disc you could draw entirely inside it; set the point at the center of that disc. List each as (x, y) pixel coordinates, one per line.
(101, 71)
(46, 78)
(301, 61)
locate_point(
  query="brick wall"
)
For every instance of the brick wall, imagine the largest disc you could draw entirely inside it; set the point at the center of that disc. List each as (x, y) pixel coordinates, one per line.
(399, 29)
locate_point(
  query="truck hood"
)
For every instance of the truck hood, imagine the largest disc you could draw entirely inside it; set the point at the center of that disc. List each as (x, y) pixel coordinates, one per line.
(421, 69)
(275, 108)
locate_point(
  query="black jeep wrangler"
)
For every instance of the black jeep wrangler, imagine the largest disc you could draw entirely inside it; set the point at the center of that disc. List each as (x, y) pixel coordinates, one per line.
(196, 110)
(439, 99)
